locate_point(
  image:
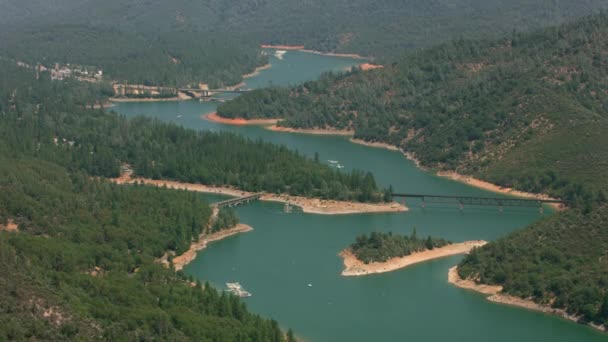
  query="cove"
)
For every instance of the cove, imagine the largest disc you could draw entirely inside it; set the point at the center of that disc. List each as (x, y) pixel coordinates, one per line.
(288, 251)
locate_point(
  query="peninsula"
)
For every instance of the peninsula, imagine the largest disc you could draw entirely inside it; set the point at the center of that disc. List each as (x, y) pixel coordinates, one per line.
(308, 205)
(386, 252)
(218, 228)
(495, 294)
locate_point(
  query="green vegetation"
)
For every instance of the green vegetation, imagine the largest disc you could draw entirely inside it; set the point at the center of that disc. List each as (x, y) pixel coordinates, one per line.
(82, 264)
(559, 261)
(380, 247)
(186, 42)
(528, 111)
(40, 120)
(226, 218)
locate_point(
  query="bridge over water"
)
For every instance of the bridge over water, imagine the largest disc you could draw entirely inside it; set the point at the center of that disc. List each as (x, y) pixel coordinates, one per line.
(461, 201)
(238, 200)
(194, 92)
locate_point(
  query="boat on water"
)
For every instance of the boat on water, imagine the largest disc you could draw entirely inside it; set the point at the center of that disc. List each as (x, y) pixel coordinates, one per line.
(333, 161)
(279, 54)
(340, 166)
(237, 289)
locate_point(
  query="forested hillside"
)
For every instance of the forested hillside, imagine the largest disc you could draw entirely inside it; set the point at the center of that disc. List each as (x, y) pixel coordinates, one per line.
(81, 263)
(559, 261)
(47, 119)
(77, 253)
(216, 41)
(528, 111)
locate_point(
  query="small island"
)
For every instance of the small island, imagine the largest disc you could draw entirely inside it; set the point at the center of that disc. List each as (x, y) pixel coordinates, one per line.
(385, 252)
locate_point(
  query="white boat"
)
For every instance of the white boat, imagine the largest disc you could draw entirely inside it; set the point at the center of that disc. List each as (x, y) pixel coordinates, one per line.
(309, 285)
(238, 290)
(333, 161)
(340, 166)
(279, 54)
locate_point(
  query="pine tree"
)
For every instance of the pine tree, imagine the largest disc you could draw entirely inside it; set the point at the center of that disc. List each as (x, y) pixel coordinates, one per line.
(290, 336)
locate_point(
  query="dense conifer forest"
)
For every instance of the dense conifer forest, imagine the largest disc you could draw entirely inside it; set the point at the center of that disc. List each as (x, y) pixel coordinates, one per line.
(559, 261)
(47, 120)
(216, 41)
(81, 265)
(77, 253)
(380, 247)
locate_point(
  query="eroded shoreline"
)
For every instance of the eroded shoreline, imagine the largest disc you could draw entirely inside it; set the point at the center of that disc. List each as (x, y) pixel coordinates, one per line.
(494, 295)
(469, 180)
(180, 261)
(257, 70)
(308, 205)
(480, 184)
(315, 131)
(214, 117)
(356, 267)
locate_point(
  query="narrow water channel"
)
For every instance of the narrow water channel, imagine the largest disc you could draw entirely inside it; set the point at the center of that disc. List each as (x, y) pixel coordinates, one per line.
(288, 251)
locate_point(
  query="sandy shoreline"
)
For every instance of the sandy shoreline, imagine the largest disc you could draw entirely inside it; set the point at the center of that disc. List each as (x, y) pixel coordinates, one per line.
(145, 99)
(496, 188)
(375, 144)
(257, 70)
(356, 267)
(308, 205)
(317, 131)
(271, 124)
(333, 54)
(494, 295)
(282, 47)
(239, 121)
(469, 180)
(370, 66)
(184, 259)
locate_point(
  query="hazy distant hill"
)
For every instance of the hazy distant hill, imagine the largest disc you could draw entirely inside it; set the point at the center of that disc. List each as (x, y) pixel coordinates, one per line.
(216, 40)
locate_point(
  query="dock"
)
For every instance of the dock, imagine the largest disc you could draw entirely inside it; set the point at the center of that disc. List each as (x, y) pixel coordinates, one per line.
(238, 290)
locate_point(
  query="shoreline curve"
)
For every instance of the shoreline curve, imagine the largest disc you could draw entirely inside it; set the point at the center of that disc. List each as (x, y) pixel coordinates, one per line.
(180, 261)
(214, 117)
(494, 294)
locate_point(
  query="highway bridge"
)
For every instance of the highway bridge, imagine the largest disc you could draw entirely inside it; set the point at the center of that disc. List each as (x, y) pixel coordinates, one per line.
(238, 200)
(193, 92)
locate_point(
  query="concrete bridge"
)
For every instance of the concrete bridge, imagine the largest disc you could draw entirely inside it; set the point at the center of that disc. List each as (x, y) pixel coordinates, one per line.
(238, 200)
(193, 92)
